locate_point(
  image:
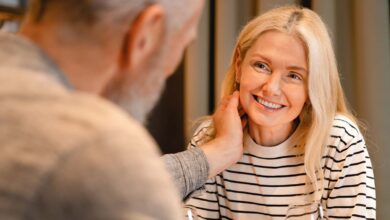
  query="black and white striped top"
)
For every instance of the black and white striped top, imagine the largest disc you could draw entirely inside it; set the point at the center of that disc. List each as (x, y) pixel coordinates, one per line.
(267, 180)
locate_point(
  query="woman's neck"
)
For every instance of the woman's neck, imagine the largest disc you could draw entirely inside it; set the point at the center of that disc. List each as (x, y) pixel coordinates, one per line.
(270, 136)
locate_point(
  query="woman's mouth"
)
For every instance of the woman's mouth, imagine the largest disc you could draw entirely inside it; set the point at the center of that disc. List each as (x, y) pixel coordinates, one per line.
(268, 104)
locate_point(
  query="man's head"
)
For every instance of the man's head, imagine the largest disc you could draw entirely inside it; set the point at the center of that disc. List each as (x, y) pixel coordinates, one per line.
(120, 49)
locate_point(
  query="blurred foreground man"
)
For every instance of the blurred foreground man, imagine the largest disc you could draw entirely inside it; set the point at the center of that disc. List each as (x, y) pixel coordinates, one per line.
(66, 150)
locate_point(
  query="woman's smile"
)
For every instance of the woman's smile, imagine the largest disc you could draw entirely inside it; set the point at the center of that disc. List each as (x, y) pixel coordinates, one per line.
(268, 105)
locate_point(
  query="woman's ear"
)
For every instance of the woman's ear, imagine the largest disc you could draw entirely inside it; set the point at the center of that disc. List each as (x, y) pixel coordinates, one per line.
(143, 36)
(237, 65)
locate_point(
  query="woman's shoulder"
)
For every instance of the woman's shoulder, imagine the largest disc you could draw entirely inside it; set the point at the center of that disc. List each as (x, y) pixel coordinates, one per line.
(203, 125)
(345, 125)
(345, 135)
(204, 131)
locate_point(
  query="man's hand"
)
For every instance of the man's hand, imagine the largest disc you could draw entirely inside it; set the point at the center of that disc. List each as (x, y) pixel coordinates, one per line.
(227, 147)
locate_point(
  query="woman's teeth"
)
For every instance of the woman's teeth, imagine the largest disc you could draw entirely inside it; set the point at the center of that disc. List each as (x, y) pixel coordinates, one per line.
(268, 104)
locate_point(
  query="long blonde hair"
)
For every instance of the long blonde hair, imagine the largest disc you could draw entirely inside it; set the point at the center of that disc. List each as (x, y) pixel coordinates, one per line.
(326, 97)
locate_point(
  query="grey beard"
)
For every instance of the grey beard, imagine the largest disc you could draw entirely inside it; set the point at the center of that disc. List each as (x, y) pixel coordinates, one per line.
(140, 95)
(138, 104)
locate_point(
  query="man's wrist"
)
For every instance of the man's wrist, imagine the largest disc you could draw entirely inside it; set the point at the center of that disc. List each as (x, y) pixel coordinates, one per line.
(213, 151)
(220, 155)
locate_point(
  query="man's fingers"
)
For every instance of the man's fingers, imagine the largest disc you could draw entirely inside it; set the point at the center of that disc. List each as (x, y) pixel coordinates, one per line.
(230, 101)
(234, 100)
(224, 103)
(235, 104)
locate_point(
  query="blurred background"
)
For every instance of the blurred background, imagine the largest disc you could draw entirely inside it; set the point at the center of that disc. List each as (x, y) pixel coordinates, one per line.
(11, 12)
(360, 34)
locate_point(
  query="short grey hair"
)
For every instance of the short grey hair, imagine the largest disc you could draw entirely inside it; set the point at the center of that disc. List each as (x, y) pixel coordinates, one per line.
(89, 14)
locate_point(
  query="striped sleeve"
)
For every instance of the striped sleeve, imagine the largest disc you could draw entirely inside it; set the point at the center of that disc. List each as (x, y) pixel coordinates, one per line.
(349, 178)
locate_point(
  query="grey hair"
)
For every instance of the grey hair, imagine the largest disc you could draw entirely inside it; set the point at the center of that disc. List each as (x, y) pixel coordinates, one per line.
(92, 14)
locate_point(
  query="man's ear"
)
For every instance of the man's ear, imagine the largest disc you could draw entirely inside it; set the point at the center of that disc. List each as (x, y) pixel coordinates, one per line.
(237, 65)
(144, 36)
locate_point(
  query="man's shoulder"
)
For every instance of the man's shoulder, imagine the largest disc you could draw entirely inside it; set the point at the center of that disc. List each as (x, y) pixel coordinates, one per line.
(39, 104)
(81, 146)
(116, 157)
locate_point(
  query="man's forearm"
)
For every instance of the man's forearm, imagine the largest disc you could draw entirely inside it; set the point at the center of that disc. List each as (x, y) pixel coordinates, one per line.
(189, 170)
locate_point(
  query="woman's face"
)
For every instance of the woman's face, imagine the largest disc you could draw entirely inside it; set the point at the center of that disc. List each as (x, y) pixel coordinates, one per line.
(273, 81)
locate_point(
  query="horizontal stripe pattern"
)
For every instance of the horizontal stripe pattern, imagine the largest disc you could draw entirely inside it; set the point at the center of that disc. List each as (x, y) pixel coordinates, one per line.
(267, 180)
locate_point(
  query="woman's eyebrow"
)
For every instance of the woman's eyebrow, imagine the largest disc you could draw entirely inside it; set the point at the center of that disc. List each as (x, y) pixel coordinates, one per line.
(298, 68)
(268, 60)
(258, 55)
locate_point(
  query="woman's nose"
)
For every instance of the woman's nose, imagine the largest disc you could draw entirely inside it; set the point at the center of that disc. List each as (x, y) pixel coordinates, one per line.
(272, 86)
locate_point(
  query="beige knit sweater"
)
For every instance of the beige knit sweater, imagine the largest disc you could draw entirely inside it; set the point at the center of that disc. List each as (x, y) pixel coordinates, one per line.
(69, 155)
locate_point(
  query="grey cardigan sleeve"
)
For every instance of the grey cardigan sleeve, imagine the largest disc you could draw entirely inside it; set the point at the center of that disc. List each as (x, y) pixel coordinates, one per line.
(189, 170)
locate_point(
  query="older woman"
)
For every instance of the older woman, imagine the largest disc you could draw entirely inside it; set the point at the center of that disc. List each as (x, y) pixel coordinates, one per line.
(302, 145)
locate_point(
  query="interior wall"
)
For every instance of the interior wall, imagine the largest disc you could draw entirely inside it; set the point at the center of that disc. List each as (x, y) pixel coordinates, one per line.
(371, 88)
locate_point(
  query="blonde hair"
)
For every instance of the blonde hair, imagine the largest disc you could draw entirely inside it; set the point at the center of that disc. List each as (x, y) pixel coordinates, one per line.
(326, 97)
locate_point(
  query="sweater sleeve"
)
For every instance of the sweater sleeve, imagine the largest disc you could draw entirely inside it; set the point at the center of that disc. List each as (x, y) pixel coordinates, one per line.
(189, 170)
(349, 178)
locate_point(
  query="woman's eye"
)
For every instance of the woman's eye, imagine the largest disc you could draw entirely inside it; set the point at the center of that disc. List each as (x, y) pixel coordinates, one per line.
(262, 66)
(295, 76)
